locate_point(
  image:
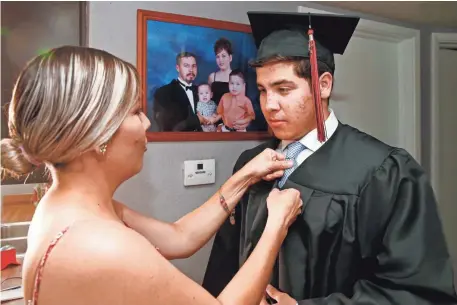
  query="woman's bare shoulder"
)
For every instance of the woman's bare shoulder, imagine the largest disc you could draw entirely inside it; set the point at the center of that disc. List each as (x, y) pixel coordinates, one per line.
(102, 243)
(115, 265)
(211, 77)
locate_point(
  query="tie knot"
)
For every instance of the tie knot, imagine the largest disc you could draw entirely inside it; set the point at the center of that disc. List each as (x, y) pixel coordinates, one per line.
(294, 149)
(185, 86)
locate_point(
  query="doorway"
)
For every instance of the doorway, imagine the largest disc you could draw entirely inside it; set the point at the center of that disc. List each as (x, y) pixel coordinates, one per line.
(444, 132)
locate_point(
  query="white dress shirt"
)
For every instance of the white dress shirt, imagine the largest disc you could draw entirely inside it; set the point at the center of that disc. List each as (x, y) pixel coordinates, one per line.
(310, 140)
(190, 93)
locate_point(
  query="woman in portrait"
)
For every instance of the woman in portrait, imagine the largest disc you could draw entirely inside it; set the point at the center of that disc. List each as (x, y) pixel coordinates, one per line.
(219, 80)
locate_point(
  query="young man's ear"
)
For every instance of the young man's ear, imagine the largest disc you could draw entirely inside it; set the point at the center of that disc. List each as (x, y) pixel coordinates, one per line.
(326, 84)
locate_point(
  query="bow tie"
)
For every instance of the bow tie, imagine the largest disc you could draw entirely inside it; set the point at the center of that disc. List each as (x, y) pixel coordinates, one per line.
(185, 87)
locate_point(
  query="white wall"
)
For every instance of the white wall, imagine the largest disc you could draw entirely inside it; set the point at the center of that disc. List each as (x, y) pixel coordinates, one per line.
(366, 96)
(443, 13)
(366, 88)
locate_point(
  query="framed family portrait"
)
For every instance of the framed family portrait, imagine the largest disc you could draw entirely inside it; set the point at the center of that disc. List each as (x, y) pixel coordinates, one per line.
(196, 81)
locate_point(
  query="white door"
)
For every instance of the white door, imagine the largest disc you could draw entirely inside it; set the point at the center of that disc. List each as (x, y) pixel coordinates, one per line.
(447, 152)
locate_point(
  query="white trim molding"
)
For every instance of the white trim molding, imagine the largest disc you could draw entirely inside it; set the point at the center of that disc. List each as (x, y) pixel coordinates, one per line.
(438, 41)
(408, 41)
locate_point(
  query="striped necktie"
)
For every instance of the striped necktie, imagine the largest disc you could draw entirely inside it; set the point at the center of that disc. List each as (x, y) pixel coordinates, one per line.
(293, 150)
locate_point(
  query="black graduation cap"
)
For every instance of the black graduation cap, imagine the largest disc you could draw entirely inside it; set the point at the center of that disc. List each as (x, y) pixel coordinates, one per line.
(285, 34)
(314, 36)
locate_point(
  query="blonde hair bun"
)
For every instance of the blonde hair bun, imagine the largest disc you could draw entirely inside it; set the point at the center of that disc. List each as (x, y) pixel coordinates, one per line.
(14, 162)
(65, 103)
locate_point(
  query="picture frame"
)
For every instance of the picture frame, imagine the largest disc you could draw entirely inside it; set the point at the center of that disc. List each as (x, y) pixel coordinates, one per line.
(161, 37)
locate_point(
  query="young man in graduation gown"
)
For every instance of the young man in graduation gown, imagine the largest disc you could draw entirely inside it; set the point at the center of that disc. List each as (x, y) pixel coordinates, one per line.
(175, 104)
(370, 231)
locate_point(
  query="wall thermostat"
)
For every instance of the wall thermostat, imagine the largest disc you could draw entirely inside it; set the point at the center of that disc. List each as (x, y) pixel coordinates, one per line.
(198, 172)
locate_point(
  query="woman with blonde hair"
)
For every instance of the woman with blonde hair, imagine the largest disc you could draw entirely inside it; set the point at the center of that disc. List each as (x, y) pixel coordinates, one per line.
(77, 110)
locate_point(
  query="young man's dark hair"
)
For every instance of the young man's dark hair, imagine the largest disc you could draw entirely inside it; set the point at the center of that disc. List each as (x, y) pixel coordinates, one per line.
(302, 66)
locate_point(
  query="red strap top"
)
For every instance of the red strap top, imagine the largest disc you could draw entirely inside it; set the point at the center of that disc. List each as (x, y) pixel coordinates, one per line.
(39, 275)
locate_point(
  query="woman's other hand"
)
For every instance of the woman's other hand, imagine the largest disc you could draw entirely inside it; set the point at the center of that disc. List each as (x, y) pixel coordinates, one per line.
(283, 208)
(268, 165)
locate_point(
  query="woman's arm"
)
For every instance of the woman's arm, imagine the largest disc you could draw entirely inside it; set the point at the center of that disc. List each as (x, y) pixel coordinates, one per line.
(187, 235)
(125, 269)
(192, 231)
(150, 279)
(210, 78)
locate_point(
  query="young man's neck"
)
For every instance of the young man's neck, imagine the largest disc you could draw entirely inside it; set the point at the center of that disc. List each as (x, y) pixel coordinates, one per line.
(326, 111)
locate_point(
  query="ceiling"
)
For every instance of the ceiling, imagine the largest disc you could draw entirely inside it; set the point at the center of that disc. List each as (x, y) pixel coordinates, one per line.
(432, 13)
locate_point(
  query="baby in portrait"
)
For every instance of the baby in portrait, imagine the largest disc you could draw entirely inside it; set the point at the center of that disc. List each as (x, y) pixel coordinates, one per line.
(207, 108)
(235, 108)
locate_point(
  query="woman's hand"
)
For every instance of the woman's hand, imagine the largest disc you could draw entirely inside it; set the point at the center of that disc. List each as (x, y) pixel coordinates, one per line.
(283, 208)
(268, 165)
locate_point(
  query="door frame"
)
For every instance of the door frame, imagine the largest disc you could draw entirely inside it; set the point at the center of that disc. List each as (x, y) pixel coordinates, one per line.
(408, 60)
(438, 40)
(84, 23)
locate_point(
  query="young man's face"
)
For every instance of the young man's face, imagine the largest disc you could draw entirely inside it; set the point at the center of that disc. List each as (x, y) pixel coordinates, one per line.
(286, 100)
(187, 69)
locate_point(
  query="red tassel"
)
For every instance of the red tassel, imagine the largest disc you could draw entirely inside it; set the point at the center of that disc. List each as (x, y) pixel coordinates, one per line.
(315, 88)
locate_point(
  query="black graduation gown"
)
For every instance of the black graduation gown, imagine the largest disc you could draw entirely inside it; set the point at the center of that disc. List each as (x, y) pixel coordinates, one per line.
(172, 110)
(369, 232)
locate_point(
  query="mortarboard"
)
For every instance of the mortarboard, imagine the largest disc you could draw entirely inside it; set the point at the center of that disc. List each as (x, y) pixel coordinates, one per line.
(297, 35)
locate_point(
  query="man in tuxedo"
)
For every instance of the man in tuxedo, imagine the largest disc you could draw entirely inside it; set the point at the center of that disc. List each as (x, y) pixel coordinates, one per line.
(175, 104)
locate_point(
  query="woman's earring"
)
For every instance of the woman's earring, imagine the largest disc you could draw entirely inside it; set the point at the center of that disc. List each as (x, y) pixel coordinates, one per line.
(102, 148)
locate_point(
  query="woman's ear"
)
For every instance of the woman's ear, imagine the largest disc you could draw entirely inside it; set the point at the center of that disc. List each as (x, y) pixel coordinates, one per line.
(326, 84)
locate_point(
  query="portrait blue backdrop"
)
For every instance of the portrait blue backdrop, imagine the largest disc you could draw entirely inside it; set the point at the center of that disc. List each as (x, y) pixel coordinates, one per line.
(165, 40)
